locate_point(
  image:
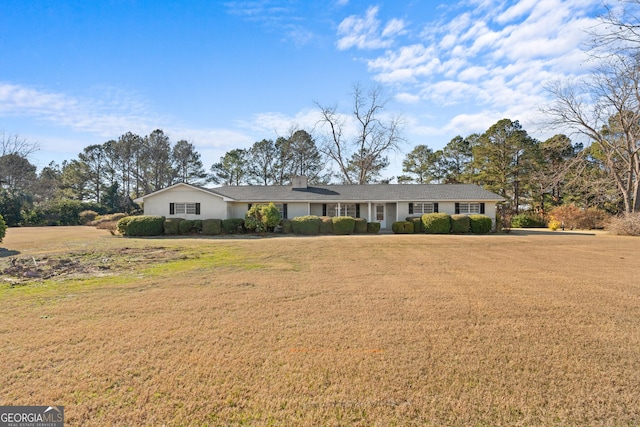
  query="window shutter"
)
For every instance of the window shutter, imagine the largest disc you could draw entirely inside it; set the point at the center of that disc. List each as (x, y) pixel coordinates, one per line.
(357, 210)
(435, 207)
(249, 208)
(482, 208)
(285, 214)
(410, 208)
(324, 209)
(172, 208)
(457, 208)
(197, 208)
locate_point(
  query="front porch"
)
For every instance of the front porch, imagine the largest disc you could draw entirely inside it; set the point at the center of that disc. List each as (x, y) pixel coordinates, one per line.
(383, 212)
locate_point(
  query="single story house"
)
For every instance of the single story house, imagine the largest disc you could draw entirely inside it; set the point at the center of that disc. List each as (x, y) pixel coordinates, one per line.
(383, 203)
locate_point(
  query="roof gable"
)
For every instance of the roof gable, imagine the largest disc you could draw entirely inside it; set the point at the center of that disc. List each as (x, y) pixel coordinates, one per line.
(178, 186)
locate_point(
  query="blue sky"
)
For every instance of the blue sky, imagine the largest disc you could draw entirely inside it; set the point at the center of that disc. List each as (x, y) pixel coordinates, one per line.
(224, 74)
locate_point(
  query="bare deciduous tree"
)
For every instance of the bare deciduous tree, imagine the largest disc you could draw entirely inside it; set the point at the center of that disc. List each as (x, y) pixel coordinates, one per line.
(605, 107)
(15, 144)
(361, 154)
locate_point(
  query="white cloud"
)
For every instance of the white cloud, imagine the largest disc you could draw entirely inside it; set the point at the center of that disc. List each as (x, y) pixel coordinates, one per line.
(492, 57)
(119, 111)
(407, 98)
(364, 32)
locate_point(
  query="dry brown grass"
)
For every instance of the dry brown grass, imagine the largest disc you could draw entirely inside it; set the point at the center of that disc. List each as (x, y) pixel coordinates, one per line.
(520, 329)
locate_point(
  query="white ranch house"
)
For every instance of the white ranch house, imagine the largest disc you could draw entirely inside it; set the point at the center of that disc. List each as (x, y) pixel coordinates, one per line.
(383, 203)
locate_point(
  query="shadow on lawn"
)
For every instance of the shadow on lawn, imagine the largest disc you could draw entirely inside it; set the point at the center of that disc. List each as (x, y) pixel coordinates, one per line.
(546, 232)
(6, 252)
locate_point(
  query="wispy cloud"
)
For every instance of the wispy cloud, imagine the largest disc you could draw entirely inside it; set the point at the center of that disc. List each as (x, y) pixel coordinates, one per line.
(107, 115)
(111, 112)
(367, 32)
(275, 15)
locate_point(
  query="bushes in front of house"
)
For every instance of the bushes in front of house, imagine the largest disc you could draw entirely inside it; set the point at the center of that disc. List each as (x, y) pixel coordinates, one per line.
(307, 225)
(402, 227)
(326, 225)
(417, 223)
(373, 227)
(436, 223)
(262, 218)
(286, 226)
(211, 227)
(480, 224)
(460, 224)
(143, 225)
(343, 225)
(172, 226)
(360, 226)
(233, 225)
(310, 225)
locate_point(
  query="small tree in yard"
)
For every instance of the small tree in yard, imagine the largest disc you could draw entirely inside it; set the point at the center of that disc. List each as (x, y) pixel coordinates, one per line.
(3, 228)
(262, 218)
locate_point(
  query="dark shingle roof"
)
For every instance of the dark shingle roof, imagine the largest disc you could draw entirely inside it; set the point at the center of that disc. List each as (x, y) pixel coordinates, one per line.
(370, 192)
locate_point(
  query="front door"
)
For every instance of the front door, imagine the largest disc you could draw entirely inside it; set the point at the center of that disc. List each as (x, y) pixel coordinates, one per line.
(380, 214)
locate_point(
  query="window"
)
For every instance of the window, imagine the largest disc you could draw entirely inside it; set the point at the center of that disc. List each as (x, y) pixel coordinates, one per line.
(469, 208)
(421, 208)
(282, 208)
(344, 209)
(184, 208)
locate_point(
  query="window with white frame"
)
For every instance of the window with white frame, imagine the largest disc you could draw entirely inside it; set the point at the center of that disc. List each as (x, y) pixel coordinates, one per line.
(421, 207)
(469, 208)
(342, 209)
(184, 208)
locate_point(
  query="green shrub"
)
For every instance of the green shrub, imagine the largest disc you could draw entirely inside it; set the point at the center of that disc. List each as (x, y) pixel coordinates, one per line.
(373, 227)
(528, 220)
(436, 223)
(172, 226)
(343, 225)
(144, 225)
(286, 226)
(306, 225)
(233, 225)
(122, 224)
(3, 228)
(197, 225)
(326, 225)
(480, 224)
(402, 227)
(186, 226)
(262, 218)
(460, 224)
(361, 226)
(212, 227)
(417, 223)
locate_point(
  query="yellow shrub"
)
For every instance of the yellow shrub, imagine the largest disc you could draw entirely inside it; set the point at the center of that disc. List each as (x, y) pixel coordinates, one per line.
(554, 225)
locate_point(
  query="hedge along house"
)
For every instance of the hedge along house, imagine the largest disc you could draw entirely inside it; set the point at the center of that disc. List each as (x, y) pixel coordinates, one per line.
(383, 203)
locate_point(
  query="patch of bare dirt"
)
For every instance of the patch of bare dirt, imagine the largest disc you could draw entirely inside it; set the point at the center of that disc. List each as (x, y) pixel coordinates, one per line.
(23, 270)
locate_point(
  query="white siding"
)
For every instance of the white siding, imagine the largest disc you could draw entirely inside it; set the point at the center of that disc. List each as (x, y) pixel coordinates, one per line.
(211, 206)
